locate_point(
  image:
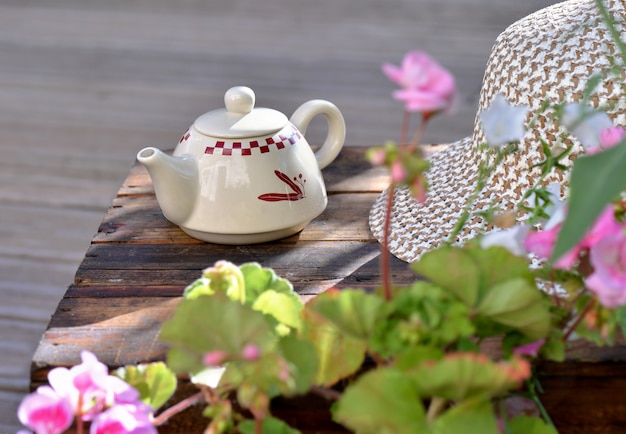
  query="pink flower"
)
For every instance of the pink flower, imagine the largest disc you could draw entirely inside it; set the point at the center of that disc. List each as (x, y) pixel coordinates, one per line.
(530, 349)
(45, 412)
(83, 385)
(251, 352)
(608, 257)
(378, 157)
(214, 358)
(89, 388)
(398, 172)
(123, 419)
(541, 243)
(609, 138)
(426, 86)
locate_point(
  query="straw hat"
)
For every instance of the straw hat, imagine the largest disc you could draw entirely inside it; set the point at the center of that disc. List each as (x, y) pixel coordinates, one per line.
(550, 54)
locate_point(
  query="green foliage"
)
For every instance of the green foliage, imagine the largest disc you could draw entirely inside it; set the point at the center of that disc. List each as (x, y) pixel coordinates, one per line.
(352, 311)
(596, 180)
(529, 425)
(494, 284)
(454, 270)
(460, 376)
(224, 277)
(518, 305)
(422, 314)
(383, 401)
(254, 285)
(270, 425)
(474, 416)
(155, 382)
(339, 355)
(424, 333)
(213, 323)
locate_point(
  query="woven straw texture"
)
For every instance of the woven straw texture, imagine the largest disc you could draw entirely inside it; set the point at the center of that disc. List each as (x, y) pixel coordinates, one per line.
(548, 55)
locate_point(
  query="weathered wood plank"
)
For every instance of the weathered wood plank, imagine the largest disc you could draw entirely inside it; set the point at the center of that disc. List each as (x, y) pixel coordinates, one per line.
(178, 265)
(138, 219)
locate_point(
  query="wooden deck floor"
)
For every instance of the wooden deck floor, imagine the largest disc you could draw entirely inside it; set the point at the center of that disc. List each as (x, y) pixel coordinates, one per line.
(85, 84)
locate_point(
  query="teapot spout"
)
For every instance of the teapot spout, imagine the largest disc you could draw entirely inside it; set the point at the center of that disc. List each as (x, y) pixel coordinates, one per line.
(175, 181)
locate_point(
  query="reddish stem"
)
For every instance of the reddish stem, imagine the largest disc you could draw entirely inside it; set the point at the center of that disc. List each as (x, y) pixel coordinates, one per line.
(175, 409)
(385, 255)
(329, 394)
(79, 416)
(384, 247)
(584, 312)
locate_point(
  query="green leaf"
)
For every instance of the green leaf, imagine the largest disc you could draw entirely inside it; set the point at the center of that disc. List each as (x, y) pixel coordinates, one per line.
(259, 279)
(530, 425)
(353, 311)
(519, 305)
(213, 323)
(224, 277)
(339, 355)
(383, 401)
(498, 265)
(422, 314)
(596, 180)
(466, 375)
(417, 355)
(302, 360)
(155, 382)
(270, 425)
(452, 269)
(468, 417)
(284, 307)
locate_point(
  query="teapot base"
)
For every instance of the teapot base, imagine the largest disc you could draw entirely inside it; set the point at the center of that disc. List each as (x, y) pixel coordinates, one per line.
(242, 239)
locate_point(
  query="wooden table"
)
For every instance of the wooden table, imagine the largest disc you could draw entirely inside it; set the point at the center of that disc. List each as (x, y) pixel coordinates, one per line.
(138, 263)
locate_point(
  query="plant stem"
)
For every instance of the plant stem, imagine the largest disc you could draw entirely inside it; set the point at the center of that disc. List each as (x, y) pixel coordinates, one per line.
(175, 409)
(533, 395)
(437, 404)
(384, 247)
(329, 394)
(385, 254)
(79, 417)
(590, 304)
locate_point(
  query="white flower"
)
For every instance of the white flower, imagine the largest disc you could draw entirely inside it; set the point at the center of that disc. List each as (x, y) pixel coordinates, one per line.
(503, 123)
(585, 123)
(511, 239)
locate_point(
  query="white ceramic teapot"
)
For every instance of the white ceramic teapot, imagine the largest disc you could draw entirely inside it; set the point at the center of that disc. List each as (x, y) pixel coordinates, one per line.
(244, 175)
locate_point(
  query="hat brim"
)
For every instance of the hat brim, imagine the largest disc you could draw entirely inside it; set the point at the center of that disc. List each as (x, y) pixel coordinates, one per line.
(418, 227)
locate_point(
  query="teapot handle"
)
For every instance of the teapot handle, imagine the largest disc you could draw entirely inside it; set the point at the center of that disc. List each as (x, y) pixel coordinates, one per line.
(336, 128)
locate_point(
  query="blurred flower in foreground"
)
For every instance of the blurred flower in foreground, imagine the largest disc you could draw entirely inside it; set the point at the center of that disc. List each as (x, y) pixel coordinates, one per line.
(585, 123)
(503, 123)
(426, 86)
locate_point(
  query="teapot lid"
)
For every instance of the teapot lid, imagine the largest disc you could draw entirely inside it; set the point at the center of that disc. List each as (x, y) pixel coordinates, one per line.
(240, 119)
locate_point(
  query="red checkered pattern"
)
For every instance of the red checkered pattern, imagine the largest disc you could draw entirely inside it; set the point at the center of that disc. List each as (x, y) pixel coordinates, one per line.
(279, 141)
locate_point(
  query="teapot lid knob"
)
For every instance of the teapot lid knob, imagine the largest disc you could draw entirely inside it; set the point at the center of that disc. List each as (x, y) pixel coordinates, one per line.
(239, 119)
(239, 99)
